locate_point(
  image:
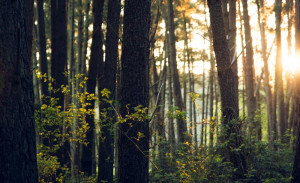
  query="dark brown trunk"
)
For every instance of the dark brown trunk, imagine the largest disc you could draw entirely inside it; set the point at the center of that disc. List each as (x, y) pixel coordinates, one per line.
(229, 105)
(88, 152)
(59, 61)
(17, 127)
(108, 81)
(133, 152)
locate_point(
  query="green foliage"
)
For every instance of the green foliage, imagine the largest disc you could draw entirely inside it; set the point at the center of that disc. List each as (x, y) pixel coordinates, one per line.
(55, 126)
(207, 164)
(48, 168)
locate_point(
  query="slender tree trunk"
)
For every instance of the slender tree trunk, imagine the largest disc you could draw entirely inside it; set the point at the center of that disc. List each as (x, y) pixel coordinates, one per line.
(278, 71)
(207, 120)
(88, 152)
(171, 105)
(203, 107)
(59, 61)
(42, 46)
(86, 35)
(17, 136)
(229, 105)
(108, 81)
(249, 70)
(211, 99)
(269, 95)
(181, 124)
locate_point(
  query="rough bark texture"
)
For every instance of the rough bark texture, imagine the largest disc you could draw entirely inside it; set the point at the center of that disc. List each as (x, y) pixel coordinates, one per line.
(296, 107)
(278, 71)
(181, 125)
(133, 154)
(249, 70)
(229, 97)
(232, 41)
(88, 159)
(106, 151)
(17, 135)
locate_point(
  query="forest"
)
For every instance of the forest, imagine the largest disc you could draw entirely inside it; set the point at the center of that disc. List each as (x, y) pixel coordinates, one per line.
(138, 91)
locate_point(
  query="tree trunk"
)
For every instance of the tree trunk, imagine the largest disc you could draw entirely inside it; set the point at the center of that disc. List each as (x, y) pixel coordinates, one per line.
(170, 105)
(181, 124)
(42, 46)
(108, 81)
(134, 150)
(249, 70)
(211, 99)
(59, 60)
(17, 134)
(229, 105)
(269, 96)
(86, 35)
(88, 152)
(278, 71)
(203, 106)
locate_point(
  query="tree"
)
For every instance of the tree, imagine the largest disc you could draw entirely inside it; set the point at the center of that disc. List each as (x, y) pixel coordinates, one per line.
(181, 125)
(229, 96)
(269, 101)
(17, 129)
(42, 44)
(58, 46)
(133, 150)
(278, 71)
(108, 81)
(249, 69)
(96, 60)
(59, 61)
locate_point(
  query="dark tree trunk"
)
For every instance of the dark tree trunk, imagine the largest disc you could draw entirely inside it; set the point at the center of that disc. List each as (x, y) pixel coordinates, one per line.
(229, 105)
(58, 46)
(88, 155)
(106, 150)
(17, 134)
(59, 60)
(42, 45)
(133, 154)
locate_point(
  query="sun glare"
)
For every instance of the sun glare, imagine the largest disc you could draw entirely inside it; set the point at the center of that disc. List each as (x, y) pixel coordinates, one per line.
(292, 63)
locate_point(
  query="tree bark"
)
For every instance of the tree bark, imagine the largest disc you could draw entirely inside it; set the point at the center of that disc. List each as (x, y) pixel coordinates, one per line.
(133, 151)
(278, 71)
(181, 124)
(88, 152)
(59, 61)
(229, 105)
(42, 45)
(17, 129)
(108, 81)
(249, 70)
